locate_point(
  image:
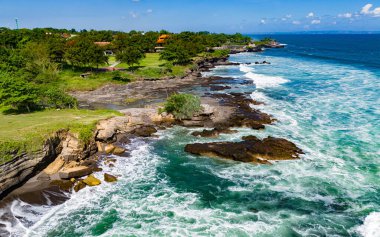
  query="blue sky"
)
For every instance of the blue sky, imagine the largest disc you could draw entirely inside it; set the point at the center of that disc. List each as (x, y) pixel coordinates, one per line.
(245, 16)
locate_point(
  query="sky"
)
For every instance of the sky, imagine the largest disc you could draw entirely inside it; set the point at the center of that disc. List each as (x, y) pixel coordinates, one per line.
(228, 16)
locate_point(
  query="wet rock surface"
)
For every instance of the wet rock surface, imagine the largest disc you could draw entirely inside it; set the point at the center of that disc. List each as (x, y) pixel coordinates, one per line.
(144, 131)
(213, 132)
(251, 149)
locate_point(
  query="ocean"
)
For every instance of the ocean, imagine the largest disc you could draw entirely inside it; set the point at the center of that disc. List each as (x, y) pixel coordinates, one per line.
(324, 91)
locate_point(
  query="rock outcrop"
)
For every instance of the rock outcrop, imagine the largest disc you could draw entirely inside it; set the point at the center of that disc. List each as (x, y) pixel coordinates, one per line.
(251, 149)
(24, 166)
(91, 180)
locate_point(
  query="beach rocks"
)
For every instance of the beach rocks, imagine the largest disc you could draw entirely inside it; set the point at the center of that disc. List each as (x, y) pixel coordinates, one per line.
(213, 132)
(79, 185)
(109, 148)
(144, 131)
(251, 149)
(65, 185)
(106, 129)
(244, 115)
(91, 180)
(55, 166)
(74, 172)
(109, 178)
(118, 150)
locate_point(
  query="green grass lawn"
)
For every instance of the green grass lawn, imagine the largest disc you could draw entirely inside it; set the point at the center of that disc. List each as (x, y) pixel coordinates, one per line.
(27, 132)
(150, 67)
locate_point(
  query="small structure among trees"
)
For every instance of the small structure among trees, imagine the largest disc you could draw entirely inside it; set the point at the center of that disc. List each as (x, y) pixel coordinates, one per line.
(161, 42)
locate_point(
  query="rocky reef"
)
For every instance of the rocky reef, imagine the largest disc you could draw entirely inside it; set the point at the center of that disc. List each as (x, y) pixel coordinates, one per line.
(251, 149)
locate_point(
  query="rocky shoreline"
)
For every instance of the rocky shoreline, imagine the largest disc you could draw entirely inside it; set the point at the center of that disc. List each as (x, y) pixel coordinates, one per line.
(66, 164)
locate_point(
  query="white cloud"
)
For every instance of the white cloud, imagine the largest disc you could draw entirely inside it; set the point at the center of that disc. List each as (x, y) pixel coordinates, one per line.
(133, 14)
(288, 16)
(310, 15)
(366, 10)
(315, 22)
(345, 15)
(149, 11)
(135, 0)
(263, 22)
(296, 22)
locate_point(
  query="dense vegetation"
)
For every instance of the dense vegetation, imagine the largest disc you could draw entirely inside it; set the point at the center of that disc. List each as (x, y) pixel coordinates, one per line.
(38, 66)
(183, 106)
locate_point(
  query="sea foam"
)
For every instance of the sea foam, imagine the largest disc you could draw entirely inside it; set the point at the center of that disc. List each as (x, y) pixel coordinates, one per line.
(260, 80)
(371, 225)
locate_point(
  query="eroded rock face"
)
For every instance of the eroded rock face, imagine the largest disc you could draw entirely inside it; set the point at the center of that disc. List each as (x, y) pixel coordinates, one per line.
(251, 149)
(24, 166)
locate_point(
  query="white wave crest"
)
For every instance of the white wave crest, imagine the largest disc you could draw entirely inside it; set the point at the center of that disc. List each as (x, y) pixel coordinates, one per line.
(263, 81)
(371, 225)
(245, 68)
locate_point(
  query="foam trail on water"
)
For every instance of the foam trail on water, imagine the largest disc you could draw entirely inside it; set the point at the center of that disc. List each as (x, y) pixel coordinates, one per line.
(371, 225)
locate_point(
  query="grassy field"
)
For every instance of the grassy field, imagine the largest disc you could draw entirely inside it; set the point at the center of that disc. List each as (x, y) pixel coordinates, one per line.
(150, 67)
(27, 132)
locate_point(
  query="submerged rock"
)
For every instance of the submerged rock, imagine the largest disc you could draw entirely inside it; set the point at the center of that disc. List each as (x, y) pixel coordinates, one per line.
(91, 180)
(251, 149)
(109, 178)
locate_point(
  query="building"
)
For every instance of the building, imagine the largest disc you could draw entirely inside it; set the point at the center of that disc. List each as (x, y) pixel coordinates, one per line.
(161, 42)
(105, 44)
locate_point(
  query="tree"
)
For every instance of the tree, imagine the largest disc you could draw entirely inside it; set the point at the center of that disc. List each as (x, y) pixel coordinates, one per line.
(183, 106)
(130, 56)
(176, 53)
(38, 63)
(17, 93)
(83, 52)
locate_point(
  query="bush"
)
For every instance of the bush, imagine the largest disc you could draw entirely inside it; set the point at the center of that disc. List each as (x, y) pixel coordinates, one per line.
(118, 76)
(183, 106)
(56, 98)
(17, 93)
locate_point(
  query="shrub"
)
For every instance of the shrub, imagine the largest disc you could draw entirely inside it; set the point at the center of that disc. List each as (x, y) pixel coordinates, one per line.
(183, 106)
(56, 98)
(17, 93)
(118, 76)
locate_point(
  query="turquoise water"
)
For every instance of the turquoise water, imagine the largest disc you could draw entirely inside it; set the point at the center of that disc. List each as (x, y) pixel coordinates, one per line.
(327, 106)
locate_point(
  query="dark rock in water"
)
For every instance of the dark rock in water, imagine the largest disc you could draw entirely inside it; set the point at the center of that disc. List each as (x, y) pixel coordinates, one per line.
(251, 149)
(89, 163)
(244, 115)
(80, 185)
(123, 138)
(213, 132)
(144, 131)
(219, 88)
(109, 178)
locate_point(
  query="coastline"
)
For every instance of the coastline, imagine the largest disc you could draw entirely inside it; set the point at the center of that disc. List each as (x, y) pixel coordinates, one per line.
(222, 112)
